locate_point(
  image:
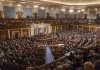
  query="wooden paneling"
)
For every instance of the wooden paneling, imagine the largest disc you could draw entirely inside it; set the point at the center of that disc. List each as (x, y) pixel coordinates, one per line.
(63, 27)
(53, 27)
(3, 35)
(25, 32)
(15, 32)
(79, 27)
(75, 27)
(10, 32)
(86, 28)
(92, 29)
(98, 30)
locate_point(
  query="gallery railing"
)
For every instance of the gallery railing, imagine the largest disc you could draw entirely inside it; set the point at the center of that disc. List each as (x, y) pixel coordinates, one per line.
(29, 21)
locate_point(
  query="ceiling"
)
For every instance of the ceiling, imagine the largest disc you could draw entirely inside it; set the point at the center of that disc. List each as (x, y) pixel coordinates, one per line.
(54, 3)
(64, 2)
(74, 2)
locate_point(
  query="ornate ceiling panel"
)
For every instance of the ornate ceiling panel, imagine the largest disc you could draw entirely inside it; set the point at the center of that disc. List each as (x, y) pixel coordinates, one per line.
(74, 2)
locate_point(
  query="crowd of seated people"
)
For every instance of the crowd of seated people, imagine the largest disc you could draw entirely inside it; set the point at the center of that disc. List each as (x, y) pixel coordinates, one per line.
(27, 51)
(29, 21)
(24, 51)
(86, 46)
(83, 47)
(86, 66)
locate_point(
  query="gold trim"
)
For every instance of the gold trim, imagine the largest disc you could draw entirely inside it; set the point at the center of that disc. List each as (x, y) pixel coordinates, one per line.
(13, 29)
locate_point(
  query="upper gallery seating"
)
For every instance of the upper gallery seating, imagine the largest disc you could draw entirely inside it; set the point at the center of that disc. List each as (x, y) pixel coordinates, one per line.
(29, 21)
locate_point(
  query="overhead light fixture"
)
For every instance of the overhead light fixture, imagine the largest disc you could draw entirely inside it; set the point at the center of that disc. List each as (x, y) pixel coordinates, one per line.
(36, 6)
(82, 9)
(96, 9)
(71, 11)
(42, 8)
(63, 10)
(78, 11)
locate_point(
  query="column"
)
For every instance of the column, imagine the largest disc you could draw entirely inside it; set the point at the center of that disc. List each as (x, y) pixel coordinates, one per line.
(35, 13)
(47, 13)
(95, 29)
(19, 11)
(77, 27)
(75, 16)
(1, 11)
(85, 14)
(57, 13)
(65, 15)
(97, 14)
(82, 27)
(89, 28)
(29, 31)
(8, 34)
(21, 32)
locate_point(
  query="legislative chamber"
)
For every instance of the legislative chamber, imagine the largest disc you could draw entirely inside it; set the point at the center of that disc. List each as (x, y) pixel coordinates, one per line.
(49, 34)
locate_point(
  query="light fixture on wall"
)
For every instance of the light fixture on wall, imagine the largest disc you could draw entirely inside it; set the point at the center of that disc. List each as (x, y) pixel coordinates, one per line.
(82, 10)
(63, 10)
(18, 5)
(35, 6)
(78, 11)
(10, 4)
(42, 8)
(96, 9)
(71, 10)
